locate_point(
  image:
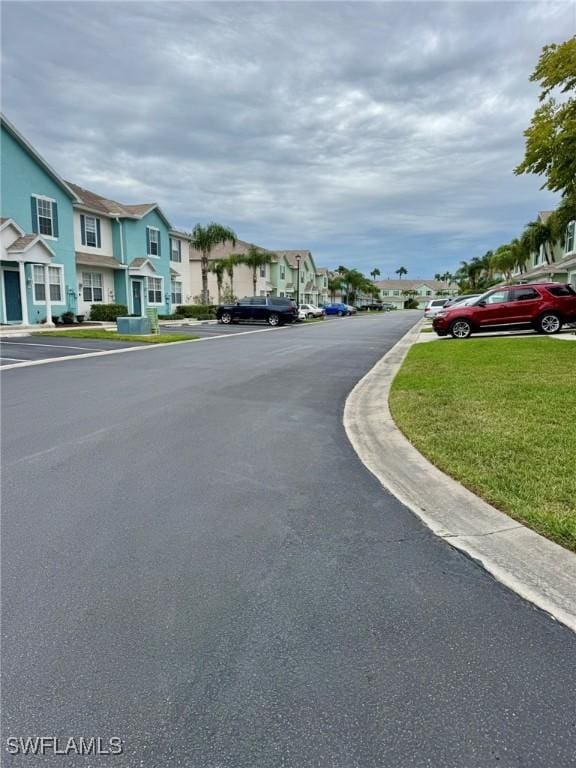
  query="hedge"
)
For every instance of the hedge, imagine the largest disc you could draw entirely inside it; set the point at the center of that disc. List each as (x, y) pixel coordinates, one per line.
(197, 311)
(107, 312)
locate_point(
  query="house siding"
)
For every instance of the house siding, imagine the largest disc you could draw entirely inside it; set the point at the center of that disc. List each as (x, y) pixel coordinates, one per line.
(23, 177)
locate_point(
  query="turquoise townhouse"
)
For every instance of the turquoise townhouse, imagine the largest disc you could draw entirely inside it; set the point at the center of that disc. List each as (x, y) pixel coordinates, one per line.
(65, 248)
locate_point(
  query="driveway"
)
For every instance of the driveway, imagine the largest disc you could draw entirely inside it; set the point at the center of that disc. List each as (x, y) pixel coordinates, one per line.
(195, 561)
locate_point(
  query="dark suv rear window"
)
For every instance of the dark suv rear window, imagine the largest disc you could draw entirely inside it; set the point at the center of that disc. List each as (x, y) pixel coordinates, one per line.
(561, 290)
(279, 300)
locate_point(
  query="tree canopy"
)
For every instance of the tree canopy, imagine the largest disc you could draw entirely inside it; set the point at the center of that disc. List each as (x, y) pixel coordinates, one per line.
(551, 138)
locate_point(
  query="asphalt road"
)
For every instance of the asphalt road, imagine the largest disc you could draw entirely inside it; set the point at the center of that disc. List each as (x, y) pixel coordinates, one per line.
(196, 562)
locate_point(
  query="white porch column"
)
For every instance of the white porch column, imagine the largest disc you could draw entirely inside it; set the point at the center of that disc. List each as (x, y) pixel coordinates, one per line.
(23, 293)
(48, 302)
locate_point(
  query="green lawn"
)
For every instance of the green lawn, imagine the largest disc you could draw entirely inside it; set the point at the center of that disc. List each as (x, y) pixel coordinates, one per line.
(498, 415)
(89, 333)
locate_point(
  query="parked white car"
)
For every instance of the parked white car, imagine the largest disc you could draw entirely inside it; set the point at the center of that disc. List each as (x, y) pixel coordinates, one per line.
(311, 310)
(351, 309)
(433, 307)
(462, 301)
(301, 315)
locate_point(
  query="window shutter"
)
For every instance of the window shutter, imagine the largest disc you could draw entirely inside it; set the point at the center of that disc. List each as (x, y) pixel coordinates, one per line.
(83, 229)
(55, 219)
(34, 215)
(159, 240)
(147, 241)
(179, 250)
(98, 241)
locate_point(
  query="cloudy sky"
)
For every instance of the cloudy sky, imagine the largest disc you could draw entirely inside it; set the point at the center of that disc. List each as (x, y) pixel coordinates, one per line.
(374, 134)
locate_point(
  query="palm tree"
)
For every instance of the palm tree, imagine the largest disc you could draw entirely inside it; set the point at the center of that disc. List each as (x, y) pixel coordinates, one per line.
(538, 235)
(217, 268)
(509, 257)
(205, 239)
(402, 271)
(375, 273)
(255, 258)
(562, 216)
(229, 265)
(334, 285)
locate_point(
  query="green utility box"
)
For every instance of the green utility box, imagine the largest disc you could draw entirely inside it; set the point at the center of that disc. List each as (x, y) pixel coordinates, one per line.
(138, 326)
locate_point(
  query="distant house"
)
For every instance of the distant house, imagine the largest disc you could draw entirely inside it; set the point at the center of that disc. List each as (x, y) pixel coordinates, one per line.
(282, 277)
(398, 292)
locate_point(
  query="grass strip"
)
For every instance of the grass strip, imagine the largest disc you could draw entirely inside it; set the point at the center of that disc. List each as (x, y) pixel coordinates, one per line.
(161, 338)
(498, 415)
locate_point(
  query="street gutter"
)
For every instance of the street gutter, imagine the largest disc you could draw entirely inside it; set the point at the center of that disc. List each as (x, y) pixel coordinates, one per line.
(537, 569)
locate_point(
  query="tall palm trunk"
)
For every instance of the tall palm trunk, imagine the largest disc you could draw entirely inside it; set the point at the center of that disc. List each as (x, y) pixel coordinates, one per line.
(254, 280)
(219, 284)
(230, 271)
(204, 268)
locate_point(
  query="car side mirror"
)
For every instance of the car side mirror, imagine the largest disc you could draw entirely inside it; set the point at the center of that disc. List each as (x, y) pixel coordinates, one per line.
(481, 304)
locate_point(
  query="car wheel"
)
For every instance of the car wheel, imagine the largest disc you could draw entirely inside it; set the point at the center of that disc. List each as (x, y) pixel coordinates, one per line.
(310, 316)
(548, 323)
(226, 318)
(460, 329)
(340, 313)
(273, 319)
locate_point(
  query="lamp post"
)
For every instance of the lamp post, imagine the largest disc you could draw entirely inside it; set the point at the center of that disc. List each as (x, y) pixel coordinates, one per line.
(298, 280)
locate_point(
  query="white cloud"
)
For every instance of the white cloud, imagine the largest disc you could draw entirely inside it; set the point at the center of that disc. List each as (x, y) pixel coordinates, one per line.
(370, 132)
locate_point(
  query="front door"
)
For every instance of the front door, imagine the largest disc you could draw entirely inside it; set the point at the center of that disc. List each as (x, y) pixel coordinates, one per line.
(137, 297)
(13, 296)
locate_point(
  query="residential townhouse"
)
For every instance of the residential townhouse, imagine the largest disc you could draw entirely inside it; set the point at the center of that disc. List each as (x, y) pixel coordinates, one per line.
(65, 248)
(398, 292)
(291, 273)
(556, 262)
(37, 263)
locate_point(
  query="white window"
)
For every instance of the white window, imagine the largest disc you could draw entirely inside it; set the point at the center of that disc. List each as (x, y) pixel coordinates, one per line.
(90, 231)
(176, 290)
(92, 286)
(175, 250)
(55, 280)
(155, 290)
(44, 216)
(570, 237)
(153, 241)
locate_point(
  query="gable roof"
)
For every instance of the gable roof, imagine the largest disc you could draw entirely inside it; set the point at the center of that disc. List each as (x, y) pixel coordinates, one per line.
(411, 284)
(27, 147)
(112, 208)
(25, 242)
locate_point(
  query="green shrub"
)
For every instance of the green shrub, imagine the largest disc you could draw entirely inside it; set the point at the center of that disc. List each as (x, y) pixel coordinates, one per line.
(107, 312)
(197, 311)
(68, 318)
(411, 304)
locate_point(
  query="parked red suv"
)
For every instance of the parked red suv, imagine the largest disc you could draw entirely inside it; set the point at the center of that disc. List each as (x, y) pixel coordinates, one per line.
(542, 306)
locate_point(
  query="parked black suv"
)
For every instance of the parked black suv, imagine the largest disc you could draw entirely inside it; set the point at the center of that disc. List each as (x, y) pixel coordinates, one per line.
(273, 310)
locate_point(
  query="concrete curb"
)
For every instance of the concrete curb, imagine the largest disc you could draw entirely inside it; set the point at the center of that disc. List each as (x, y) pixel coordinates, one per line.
(537, 569)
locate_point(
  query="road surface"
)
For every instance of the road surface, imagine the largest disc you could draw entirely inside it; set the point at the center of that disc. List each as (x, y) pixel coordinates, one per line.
(196, 562)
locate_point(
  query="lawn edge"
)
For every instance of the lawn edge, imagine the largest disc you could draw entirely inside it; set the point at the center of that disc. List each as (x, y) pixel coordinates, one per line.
(536, 568)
